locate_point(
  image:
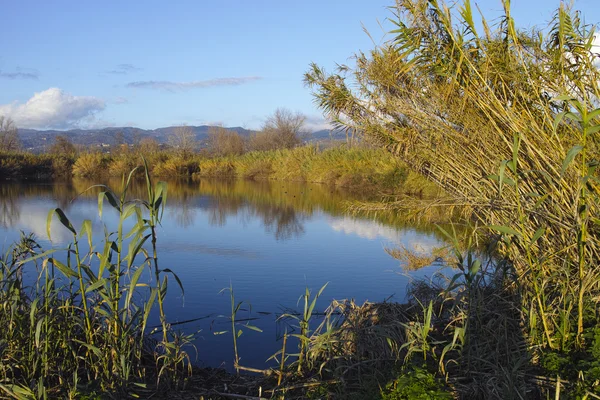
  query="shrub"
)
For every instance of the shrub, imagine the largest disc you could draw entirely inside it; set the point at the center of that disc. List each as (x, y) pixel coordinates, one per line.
(415, 384)
(122, 165)
(62, 165)
(176, 166)
(89, 164)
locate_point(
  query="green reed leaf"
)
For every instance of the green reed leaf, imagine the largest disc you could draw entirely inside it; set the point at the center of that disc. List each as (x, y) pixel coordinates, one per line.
(176, 278)
(571, 154)
(68, 272)
(538, 234)
(86, 229)
(505, 230)
(63, 220)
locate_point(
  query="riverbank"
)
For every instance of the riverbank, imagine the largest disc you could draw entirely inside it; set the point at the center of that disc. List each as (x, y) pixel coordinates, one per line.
(366, 169)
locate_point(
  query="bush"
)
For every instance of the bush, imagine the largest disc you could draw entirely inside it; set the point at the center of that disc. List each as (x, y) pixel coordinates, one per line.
(415, 384)
(123, 165)
(176, 166)
(89, 164)
(62, 165)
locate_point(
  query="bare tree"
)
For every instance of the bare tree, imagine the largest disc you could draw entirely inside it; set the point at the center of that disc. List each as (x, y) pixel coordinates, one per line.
(286, 128)
(225, 142)
(62, 146)
(183, 140)
(282, 130)
(136, 137)
(9, 135)
(148, 146)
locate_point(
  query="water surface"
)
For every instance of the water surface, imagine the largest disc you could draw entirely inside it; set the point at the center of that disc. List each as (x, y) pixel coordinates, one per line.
(269, 240)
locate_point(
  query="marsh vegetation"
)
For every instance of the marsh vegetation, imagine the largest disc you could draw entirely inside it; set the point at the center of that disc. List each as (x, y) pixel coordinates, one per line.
(504, 120)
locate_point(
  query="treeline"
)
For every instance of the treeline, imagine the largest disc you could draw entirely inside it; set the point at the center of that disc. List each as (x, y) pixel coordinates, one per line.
(179, 156)
(283, 129)
(275, 152)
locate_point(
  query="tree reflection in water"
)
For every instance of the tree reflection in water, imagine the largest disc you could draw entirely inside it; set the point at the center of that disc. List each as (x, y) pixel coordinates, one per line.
(10, 212)
(282, 207)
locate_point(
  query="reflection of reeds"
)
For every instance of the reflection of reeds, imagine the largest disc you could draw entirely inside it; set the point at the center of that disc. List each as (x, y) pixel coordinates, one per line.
(416, 258)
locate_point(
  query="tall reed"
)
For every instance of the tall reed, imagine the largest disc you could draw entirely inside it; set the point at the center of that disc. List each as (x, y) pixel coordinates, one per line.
(73, 324)
(505, 120)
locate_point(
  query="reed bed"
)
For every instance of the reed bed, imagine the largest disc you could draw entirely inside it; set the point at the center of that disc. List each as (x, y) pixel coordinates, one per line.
(505, 121)
(354, 167)
(361, 167)
(15, 165)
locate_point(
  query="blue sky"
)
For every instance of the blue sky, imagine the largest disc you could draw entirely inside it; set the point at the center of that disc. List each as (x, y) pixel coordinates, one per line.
(151, 63)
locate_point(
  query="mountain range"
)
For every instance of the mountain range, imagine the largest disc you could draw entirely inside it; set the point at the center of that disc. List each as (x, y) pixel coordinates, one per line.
(39, 140)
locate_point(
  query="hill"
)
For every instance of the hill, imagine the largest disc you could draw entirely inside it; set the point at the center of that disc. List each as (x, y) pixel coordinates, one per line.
(38, 141)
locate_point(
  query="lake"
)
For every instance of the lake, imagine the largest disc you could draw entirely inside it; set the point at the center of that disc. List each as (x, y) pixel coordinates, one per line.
(269, 240)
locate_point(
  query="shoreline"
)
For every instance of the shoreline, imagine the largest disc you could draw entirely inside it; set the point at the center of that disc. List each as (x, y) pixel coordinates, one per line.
(355, 168)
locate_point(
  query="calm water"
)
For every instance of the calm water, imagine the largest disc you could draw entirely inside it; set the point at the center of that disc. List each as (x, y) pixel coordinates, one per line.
(270, 240)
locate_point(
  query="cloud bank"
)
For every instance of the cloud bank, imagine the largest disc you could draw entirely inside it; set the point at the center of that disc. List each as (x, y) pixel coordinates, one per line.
(54, 109)
(180, 86)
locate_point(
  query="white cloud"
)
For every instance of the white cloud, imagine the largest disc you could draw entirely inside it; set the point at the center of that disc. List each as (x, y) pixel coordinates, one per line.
(314, 124)
(35, 220)
(54, 108)
(178, 86)
(365, 229)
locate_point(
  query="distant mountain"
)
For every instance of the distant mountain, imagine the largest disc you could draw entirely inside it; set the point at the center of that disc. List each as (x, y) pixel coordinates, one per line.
(39, 140)
(326, 134)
